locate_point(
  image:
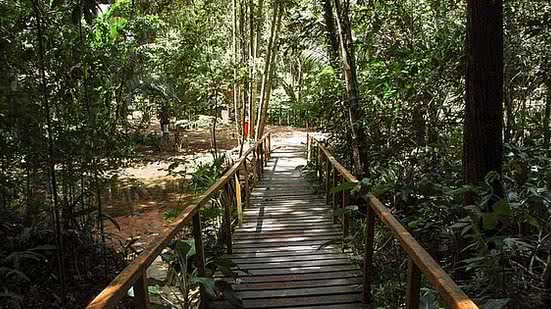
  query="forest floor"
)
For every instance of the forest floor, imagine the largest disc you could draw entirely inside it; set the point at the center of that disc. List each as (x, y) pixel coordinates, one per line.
(142, 196)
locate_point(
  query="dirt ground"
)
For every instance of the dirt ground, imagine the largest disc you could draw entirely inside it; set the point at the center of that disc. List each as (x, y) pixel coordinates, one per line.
(142, 192)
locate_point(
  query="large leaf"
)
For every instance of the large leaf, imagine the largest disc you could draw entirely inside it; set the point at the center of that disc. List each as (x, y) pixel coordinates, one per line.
(207, 283)
(345, 186)
(495, 303)
(229, 294)
(185, 248)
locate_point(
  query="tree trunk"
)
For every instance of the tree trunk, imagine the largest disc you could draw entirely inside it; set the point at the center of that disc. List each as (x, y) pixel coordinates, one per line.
(252, 70)
(483, 126)
(359, 140)
(546, 133)
(234, 59)
(271, 53)
(331, 32)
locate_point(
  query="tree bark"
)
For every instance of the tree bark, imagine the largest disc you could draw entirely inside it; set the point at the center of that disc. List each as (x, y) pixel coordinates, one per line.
(546, 115)
(355, 114)
(252, 70)
(235, 82)
(271, 52)
(331, 33)
(483, 126)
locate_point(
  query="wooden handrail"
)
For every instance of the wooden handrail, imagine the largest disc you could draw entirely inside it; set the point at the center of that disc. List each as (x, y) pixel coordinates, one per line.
(135, 273)
(420, 260)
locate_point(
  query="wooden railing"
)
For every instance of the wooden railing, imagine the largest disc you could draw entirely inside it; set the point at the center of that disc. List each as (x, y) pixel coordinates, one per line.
(420, 261)
(134, 275)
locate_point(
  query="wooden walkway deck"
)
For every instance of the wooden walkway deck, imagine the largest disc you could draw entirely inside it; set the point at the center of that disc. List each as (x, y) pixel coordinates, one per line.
(279, 240)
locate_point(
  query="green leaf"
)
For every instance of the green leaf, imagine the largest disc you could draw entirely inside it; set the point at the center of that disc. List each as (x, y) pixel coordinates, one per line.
(533, 221)
(502, 208)
(224, 262)
(185, 248)
(495, 303)
(344, 187)
(207, 283)
(229, 294)
(154, 290)
(489, 220)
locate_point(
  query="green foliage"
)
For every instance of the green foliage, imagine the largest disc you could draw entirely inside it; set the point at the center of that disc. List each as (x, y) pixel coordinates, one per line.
(207, 174)
(183, 269)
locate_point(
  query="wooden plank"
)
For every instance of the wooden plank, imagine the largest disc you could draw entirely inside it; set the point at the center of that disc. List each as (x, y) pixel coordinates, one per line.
(281, 253)
(287, 239)
(296, 270)
(289, 247)
(262, 245)
(293, 301)
(299, 292)
(307, 257)
(287, 264)
(304, 277)
(297, 284)
(269, 234)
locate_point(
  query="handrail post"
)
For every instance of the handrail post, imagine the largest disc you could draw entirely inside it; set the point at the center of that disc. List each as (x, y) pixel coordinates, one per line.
(308, 147)
(414, 286)
(320, 165)
(238, 199)
(345, 216)
(266, 153)
(255, 156)
(270, 144)
(227, 219)
(141, 294)
(334, 194)
(328, 169)
(246, 196)
(200, 253)
(368, 259)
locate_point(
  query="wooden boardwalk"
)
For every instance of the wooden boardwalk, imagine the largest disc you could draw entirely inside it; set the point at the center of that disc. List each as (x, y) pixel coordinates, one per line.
(279, 240)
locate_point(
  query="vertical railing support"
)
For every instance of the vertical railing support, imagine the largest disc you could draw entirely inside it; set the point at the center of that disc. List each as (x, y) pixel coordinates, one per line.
(200, 256)
(334, 195)
(320, 166)
(328, 169)
(368, 258)
(345, 216)
(238, 199)
(266, 154)
(308, 147)
(414, 286)
(246, 196)
(269, 145)
(141, 294)
(227, 218)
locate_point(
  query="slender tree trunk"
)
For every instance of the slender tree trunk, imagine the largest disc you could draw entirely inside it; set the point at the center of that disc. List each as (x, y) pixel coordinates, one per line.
(235, 82)
(266, 103)
(359, 140)
(252, 70)
(268, 68)
(331, 32)
(546, 115)
(483, 126)
(60, 255)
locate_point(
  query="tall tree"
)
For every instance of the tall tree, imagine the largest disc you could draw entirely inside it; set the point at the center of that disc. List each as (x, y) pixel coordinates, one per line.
(331, 33)
(483, 124)
(355, 115)
(269, 65)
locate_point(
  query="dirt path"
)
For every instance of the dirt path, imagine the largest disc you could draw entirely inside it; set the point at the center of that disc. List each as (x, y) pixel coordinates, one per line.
(142, 195)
